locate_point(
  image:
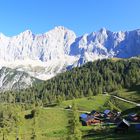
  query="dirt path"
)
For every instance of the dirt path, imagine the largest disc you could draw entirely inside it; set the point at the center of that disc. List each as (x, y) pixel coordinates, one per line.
(61, 108)
(125, 100)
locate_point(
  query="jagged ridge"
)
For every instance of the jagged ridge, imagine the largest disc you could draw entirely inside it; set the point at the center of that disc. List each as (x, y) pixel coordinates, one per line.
(43, 56)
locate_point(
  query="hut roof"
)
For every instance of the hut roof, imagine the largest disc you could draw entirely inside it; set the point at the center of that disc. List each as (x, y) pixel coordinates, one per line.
(107, 111)
(124, 123)
(132, 114)
(93, 112)
(83, 116)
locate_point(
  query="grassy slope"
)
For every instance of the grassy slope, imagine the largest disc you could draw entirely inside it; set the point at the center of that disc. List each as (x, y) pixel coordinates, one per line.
(52, 122)
(88, 104)
(121, 104)
(132, 94)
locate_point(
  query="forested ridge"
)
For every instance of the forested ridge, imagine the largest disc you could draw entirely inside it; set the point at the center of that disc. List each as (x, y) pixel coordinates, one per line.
(93, 78)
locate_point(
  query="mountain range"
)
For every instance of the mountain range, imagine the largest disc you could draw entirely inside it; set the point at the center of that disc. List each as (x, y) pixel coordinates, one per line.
(28, 57)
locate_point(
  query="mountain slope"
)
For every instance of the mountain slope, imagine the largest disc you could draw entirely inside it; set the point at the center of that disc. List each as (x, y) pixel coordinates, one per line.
(100, 76)
(44, 56)
(47, 51)
(14, 80)
(93, 78)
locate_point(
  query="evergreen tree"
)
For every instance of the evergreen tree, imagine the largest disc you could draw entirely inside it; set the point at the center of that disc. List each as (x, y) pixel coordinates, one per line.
(74, 126)
(90, 93)
(34, 113)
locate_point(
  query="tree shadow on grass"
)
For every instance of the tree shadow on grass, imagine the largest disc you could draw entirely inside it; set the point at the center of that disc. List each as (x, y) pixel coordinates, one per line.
(111, 135)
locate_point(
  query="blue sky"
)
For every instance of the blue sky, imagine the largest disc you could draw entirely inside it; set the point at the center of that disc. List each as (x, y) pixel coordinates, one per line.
(81, 16)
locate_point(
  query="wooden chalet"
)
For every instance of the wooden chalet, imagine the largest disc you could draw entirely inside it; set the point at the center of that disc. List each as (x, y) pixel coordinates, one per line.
(95, 113)
(122, 127)
(108, 113)
(90, 120)
(134, 117)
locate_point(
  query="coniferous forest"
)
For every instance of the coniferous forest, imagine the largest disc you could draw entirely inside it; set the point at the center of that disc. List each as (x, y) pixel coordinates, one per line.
(93, 78)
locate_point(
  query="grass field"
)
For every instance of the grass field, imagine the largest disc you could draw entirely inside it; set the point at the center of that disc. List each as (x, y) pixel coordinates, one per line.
(132, 94)
(52, 122)
(121, 104)
(88, 104)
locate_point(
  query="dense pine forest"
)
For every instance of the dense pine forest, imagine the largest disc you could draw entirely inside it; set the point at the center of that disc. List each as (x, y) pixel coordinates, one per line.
(93, 78)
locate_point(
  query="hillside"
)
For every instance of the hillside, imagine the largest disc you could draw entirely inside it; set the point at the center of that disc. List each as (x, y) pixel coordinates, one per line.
(51, 123)
(132, 93)
(92, 78)
(12, 79)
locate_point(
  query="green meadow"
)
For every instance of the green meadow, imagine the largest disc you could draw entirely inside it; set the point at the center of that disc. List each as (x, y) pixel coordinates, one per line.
(52, 122)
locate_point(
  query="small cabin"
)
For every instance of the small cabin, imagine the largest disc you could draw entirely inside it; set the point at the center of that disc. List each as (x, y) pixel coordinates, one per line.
(90, 120)
(108, 113)
(83, 116)
(134, 117)
(95, 113)
(122, 127)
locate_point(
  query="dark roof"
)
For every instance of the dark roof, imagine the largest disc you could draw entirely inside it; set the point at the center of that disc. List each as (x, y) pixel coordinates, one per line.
(93, 112)
(132, 114)
(124, 123)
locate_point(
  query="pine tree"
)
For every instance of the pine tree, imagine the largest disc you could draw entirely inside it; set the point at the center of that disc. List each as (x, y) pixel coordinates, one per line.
(34, 113)
(59, 99)
(90, 93)
(74, 127)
